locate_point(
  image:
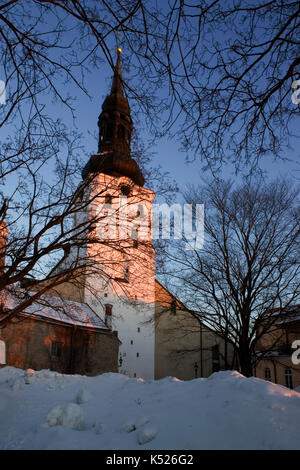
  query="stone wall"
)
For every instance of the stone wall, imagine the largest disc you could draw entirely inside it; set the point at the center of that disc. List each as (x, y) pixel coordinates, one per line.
(181, 341)
(29, 343)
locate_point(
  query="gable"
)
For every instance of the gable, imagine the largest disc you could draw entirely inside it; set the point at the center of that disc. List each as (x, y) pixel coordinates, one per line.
(165, 298)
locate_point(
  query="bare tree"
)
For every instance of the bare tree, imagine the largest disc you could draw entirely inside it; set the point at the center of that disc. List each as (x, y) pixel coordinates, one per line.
(218, 92)
(227, 67)
(231, 66)
(249, 263)
(42, 207)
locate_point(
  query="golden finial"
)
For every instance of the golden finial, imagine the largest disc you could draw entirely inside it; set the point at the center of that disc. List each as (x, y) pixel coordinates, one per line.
(119, 50)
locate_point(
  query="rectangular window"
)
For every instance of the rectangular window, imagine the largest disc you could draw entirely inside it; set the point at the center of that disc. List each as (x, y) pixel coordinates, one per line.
(267, 374)
(215, 353)
(56, 349)
(108, 199)
(108, 309)
(288, 377)
(173, 307)
(108, 315)
(126, 273)
(215, 358)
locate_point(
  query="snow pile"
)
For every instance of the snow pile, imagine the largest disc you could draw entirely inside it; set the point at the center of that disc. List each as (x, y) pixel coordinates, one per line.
(47, 410)
(71, 416)
(83, 396)
(147, 435)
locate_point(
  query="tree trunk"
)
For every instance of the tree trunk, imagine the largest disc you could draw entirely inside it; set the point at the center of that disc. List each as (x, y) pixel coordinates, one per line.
(244, 354)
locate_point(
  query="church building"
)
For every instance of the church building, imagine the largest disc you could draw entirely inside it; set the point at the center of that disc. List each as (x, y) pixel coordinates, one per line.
(121, 289)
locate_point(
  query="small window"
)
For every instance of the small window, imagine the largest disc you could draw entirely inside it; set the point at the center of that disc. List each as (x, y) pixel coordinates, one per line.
(125, 189)
(173, 307)
(108, 198)
(288, 377)
(134, 375)
(138, 330)
(137, 354)
(108, 309)
(108, 315)
(135, 233)
(56, 349)
(140, 211)
(131, 342)
(267, 374)
(126, 273)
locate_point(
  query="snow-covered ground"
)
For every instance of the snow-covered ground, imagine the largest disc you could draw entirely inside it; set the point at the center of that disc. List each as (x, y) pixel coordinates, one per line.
(47, 410)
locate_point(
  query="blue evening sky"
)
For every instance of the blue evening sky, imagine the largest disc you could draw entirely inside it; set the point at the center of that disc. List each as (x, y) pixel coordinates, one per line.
(167, 153)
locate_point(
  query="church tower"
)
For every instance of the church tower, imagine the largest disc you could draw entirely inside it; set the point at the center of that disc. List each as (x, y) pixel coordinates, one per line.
(120, 283)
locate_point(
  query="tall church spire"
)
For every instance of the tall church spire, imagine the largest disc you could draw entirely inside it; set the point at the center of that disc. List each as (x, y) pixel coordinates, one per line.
(115, 129)
(115, 123)
(117, 83)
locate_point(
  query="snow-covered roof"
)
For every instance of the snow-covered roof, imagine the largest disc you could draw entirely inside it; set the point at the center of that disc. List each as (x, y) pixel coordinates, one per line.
(290, 310)
(58, 309)
(272, 353)
(289, 319)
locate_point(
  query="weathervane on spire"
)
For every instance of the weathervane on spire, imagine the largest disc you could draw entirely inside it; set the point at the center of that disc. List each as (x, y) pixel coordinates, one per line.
(119, 49)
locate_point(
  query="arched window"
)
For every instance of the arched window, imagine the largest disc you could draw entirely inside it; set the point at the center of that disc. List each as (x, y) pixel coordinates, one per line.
(2, 352)
(121, 132)
(268, 374)
(125, 189)
(109, 132)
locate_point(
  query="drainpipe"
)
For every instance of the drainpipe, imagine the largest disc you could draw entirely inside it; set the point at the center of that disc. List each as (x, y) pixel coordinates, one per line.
(201, 359)
(275, 371)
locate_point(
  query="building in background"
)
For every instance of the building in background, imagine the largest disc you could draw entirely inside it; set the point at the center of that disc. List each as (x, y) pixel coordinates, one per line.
(279, 361)
(184, 346)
